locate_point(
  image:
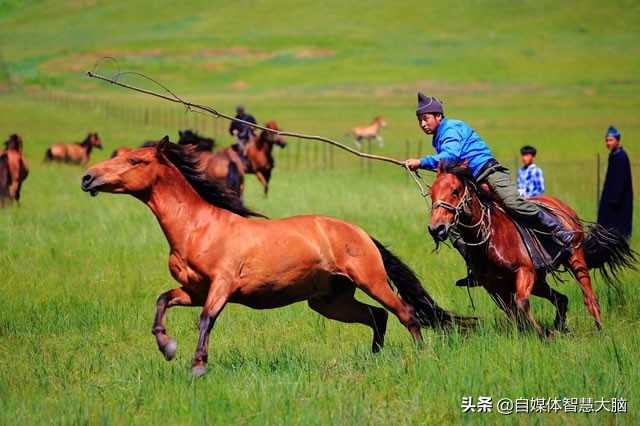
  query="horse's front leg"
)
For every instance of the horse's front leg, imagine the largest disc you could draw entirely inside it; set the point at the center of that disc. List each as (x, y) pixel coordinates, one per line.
(525, 279)
(176, 297)
(263, 181)
(216, 300)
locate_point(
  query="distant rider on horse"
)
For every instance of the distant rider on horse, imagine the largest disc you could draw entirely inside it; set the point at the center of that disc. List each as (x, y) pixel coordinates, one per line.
(455, 141)
(242, 132)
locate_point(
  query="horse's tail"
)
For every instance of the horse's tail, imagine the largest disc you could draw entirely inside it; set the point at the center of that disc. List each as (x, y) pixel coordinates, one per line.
(411, 290)
(608, 251)
(234, 180)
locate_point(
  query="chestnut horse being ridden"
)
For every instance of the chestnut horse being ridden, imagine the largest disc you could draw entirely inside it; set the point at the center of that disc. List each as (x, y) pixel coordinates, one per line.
(259, 159)
(372, 131)
(220, 256)
(501, 262)
(13, 170)
(77, 153)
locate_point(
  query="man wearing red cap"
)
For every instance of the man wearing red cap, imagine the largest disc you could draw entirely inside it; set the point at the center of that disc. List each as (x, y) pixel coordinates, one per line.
(454, 141)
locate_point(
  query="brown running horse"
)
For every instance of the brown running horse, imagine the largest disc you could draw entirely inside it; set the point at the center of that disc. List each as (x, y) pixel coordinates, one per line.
(499, 259)
(224, 165)
(372, 131)
(220, 256)
(13, 170)
(76, 153)
(259, 159)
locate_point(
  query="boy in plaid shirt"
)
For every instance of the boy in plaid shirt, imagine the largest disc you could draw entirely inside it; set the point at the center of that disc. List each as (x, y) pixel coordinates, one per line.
(530, 177)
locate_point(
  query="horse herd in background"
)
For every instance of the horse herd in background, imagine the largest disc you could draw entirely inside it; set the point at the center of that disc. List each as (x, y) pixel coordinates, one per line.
(228, 165)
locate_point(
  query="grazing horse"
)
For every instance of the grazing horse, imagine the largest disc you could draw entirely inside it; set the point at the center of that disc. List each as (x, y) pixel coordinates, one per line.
(372, 131)
(76, 153)
(501, 262)
(220, 256)
(259, 159)
(13, 170)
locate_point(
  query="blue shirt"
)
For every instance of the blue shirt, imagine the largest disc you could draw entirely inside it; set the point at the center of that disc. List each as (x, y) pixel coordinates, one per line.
(530, 181)
(455, 141)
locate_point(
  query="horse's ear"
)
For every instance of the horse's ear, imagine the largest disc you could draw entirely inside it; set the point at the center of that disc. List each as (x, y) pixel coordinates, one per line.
(162, 144)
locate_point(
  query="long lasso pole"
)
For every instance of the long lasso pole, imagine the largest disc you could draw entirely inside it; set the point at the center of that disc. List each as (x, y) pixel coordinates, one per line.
(216, 113)
(191, 106)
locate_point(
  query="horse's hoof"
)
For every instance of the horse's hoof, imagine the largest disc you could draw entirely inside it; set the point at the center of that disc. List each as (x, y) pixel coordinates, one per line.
(199, 370)
(169, 350)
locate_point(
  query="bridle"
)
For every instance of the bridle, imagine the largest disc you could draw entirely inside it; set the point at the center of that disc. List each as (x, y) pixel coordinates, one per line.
(460, 211)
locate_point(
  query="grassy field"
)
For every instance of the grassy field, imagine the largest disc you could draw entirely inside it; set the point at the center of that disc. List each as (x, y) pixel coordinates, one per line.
(79, 276)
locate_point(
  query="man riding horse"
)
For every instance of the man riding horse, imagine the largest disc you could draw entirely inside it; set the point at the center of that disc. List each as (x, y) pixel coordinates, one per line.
(455, 141)
(242, 133)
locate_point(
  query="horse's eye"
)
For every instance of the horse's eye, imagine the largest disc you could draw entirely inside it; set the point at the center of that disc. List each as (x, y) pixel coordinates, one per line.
(134, 161)
(455, 193)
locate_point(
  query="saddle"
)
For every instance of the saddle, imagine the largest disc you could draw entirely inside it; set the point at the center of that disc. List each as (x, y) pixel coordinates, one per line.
(543, 249)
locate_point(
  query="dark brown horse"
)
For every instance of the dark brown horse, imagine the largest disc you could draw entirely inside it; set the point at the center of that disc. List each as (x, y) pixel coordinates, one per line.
(76, 153)
(187, 137)
(259, 158)
(220, 256)
(13, 170)
(501, 262)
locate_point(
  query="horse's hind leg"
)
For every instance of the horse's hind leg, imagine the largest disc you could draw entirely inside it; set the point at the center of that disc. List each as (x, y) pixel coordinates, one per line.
(342, 306)
(542, 289)
(263, 181)
(375, 285)
(579, 268)
(175, 297)
(525, 280)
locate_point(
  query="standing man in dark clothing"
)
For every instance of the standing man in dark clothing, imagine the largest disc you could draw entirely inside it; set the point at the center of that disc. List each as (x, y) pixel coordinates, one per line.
(616, 203)
(240, 131)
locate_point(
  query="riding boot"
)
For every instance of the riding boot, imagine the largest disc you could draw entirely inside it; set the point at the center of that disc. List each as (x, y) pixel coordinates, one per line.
(469, 280)
(562, 236)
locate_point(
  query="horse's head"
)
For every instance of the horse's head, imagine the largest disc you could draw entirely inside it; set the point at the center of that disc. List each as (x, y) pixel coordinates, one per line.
(14, 142)
(272, 137)
(132, 172)
(93, 140)
(450, 196)
(380, 120)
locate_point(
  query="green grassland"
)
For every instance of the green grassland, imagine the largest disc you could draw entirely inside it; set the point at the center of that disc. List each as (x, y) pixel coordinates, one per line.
(79, 276)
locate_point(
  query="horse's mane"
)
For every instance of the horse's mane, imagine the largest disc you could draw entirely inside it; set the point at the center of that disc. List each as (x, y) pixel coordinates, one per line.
(462, 171)
(185, 158)
(457, 168)
(86, 141)
(202, 143)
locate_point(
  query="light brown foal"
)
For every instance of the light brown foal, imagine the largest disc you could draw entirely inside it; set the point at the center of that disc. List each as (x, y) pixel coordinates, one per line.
(76, 153)
(220, 256)
(372, 131)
